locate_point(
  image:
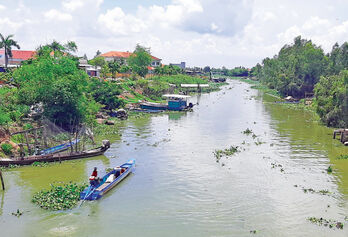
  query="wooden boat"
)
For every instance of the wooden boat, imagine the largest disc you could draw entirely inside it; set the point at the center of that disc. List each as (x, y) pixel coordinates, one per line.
(109, 181)
(175, 103)
(56, 157)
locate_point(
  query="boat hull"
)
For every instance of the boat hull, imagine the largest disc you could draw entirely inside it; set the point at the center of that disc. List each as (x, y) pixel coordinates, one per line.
(53, 157)
(94, 193)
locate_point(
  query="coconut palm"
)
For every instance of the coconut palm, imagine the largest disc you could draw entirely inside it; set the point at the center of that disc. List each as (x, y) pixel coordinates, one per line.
(7, 43)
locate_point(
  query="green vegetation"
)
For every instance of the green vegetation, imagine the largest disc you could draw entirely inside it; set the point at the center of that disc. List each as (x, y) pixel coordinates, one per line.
(329, 169)
(59, 197)
(168, 70)
(106, 93)
(58, 85)
(140, 60)
(332, 99)
(323, 222)
(342, 157)
(7, 43)
(6, 148)
(247, 131)
(226, 152)
(302, 68)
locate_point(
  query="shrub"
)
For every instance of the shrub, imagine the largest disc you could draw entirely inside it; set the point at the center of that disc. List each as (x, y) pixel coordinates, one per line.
(6, 148)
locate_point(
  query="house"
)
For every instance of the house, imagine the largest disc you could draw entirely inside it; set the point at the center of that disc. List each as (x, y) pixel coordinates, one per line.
(181, 65)
(123, 56)
(18, 56)
(92, 71)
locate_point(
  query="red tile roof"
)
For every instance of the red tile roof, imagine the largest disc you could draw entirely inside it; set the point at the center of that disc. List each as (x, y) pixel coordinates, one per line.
(118, 54)
(21, 54)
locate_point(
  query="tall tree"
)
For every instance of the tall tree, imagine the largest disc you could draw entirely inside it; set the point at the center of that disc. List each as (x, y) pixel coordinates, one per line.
(7, 43)
(71, 46)
(140, 60)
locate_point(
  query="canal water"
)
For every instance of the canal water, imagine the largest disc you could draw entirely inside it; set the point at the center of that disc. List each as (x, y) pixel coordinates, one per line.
(179, 188)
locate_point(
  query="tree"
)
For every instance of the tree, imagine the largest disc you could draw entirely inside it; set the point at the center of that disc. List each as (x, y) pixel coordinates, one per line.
(56, 46)
(98, 61)
(331, 95)
(114, 67)
(206, 69)
(70, 46)
(59, 85)
(97, 53)
(7, 43)
(140, 60)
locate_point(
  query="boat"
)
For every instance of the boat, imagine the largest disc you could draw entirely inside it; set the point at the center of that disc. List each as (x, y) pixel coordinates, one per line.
(109, 181)
(56, 156)
(59, 148)
(175, 103)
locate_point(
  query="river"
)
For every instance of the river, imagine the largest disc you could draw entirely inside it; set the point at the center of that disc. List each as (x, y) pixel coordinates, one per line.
(179, 189)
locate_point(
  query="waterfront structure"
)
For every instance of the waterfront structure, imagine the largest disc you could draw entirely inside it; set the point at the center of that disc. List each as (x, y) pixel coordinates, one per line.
(92, 71)
(18, 56)
(122, 57)
(182, 65)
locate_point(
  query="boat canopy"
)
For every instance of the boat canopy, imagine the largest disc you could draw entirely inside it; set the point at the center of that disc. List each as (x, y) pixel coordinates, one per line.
(176, 97)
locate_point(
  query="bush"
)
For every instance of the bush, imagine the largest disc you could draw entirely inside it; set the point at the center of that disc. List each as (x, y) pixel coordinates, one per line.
(6, 148)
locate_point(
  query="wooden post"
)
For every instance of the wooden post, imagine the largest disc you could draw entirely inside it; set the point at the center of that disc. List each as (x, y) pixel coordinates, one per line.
(27, 141)
(2, 181)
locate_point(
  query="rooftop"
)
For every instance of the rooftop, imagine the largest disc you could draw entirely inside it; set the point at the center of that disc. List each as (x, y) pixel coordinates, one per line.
(118, 54)
(20, 54)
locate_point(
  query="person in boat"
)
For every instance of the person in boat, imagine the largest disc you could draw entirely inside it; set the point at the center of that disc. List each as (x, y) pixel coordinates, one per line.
(93, 179)
(119, 171)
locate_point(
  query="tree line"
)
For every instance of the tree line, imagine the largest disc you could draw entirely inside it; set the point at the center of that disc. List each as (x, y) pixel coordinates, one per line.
(302, 68)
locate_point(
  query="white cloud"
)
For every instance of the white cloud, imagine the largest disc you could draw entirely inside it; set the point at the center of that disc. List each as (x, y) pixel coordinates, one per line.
(54, 14)
(200, 32)
(72, 5)
(2, 7)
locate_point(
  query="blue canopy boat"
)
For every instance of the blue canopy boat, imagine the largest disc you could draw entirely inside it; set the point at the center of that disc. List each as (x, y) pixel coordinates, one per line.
(175, 103)
(97, 190)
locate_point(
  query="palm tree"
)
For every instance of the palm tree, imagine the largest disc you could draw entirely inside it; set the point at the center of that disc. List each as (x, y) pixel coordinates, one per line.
(7, 43)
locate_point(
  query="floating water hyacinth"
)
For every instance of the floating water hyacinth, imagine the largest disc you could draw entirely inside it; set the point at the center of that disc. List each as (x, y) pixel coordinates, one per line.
(59, 197)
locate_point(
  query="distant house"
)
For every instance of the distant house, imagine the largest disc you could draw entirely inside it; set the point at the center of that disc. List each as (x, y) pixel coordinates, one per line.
(18, 56)
(92, 71)
(113, 56)
(182, 65)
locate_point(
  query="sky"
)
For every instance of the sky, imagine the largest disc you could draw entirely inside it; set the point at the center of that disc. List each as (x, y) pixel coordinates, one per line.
(217, 33)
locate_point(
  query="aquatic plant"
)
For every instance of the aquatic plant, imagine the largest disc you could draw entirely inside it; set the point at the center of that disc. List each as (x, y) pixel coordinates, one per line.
(39, 164)
(342, 157)
(59, 197)
(247, 131)
(324, 222)
(226, 152)
(17, 214)
(329, 169)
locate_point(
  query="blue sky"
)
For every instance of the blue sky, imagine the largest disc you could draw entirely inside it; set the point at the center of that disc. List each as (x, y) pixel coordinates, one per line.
(201, 32)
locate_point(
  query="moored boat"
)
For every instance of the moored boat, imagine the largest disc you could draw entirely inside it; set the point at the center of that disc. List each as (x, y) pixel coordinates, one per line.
(56, 156)
(175, 103)
(109, 181)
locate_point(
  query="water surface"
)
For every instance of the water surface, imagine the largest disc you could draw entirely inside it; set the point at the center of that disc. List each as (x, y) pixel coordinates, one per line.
(179, 189)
